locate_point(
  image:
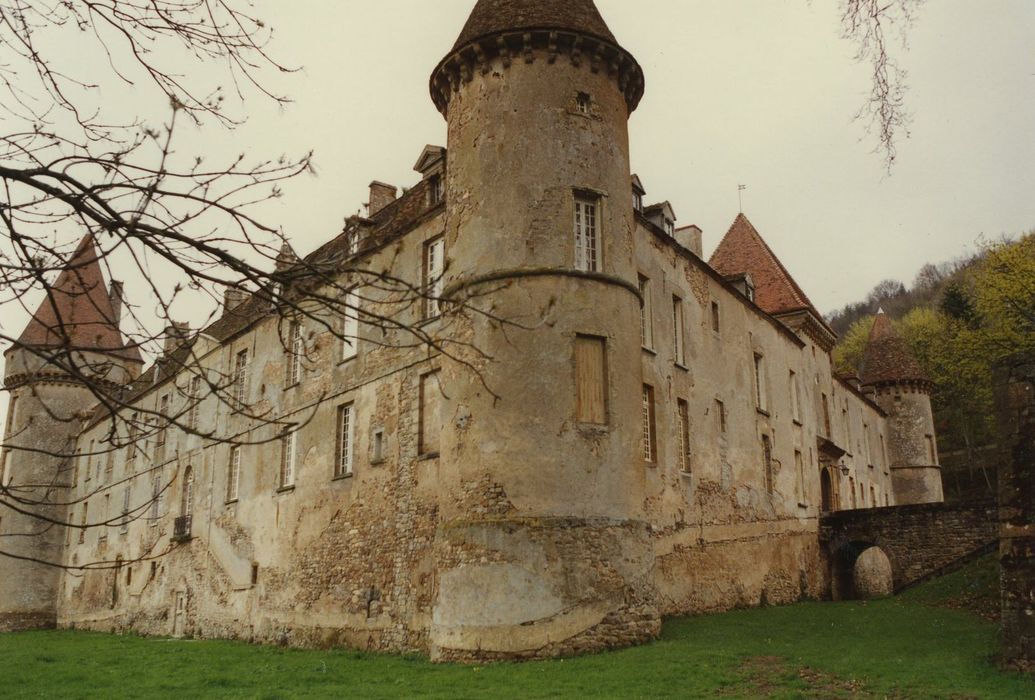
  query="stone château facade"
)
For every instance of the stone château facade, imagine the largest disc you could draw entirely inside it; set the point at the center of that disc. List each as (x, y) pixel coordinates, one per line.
(657, 436)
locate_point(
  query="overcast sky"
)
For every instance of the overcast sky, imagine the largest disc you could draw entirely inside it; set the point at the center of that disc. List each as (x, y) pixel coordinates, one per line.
(759, 92)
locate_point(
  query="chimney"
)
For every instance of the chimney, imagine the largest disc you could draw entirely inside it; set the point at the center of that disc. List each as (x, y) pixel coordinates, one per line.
(175, 335)
(690, 238)
(115, 294)
(381, 195)
(232, 298)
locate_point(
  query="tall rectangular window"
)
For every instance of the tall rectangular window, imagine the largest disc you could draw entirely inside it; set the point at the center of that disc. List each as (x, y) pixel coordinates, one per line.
(296, 351)
(134, 435)
(646, 314)
(436, 190)
(795, 397)
(194, 396)
(683, 420)
(156, 499)
(346, 441)
(434, 269)
(884, 452)
(287, 459)
(163, 417)
(760, 397)
(82, 529)
(720, 415)
(799, 466)
(125, 511)
(679, 333)
(241, 377)
(715, 316)
(591, 379)
(867, 452)
(826, 417)
(587, 244)
(767, 463)
(932, 450)
(233, 475)
(429, 420)
(650, 444)
(350, 327)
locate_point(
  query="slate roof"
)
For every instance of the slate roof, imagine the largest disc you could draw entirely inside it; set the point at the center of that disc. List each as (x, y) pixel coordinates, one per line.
(888, 357)
(495, 16)
(743, 250)
(77, 314)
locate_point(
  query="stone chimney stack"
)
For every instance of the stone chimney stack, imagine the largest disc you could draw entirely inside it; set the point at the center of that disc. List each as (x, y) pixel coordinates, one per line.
(381, 195)
(174, 336)
(116, 295)
(690, 238)
(232, 298)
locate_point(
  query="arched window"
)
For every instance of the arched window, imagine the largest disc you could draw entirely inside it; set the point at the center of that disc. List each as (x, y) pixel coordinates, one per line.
(187, 506)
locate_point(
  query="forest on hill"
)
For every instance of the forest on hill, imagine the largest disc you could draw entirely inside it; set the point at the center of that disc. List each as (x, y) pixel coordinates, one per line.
(960, 318)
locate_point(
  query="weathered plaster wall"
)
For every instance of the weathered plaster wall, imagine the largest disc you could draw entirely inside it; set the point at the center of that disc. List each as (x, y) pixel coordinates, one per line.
(912, 446)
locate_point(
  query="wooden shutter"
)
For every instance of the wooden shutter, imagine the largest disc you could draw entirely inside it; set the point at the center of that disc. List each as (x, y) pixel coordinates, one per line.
(590, 380)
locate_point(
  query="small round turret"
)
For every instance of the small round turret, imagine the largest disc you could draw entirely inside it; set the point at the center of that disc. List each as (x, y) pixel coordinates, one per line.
(903, 390)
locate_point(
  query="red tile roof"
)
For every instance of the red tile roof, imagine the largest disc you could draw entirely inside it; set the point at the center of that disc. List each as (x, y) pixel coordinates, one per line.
(743, 250)
(495, 16)
(77, 314)
(888, 357)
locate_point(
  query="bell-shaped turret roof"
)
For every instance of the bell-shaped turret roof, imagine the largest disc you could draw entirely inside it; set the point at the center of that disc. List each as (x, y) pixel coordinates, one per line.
(77, 314)
(888, 358)
(496, 16)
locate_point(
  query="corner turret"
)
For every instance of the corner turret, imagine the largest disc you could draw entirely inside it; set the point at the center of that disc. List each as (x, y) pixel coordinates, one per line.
(70, 349)
(902, 388)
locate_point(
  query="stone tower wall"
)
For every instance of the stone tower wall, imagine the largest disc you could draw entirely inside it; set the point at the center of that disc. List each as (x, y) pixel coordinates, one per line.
(912, 447)
(543, 547)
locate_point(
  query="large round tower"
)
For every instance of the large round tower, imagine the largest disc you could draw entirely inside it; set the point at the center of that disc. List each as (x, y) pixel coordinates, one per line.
(902, 389)
(74, 332)
(543, 548)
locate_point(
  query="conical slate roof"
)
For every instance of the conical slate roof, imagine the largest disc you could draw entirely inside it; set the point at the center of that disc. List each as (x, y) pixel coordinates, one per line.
(743, 250)
(78, 314)
(888, 358)
(495, 16)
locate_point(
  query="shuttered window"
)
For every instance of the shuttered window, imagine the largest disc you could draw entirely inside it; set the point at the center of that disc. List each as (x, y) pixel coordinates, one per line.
(591, 379)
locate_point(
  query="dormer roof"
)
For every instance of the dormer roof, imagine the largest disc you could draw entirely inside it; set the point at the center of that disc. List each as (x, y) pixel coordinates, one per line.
(888, 359)
(430, 158)
(499, 16)
(663, 208)
(77, 313)
(637, 185)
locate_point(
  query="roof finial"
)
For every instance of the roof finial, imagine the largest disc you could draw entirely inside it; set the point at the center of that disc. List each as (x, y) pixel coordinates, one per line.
(740, 196)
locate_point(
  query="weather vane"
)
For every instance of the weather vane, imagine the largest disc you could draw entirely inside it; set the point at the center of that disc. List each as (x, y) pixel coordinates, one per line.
(740, 196)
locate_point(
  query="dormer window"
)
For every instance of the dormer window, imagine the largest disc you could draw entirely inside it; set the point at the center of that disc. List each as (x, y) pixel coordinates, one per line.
(582, 103)
(637, 201)
(436, 190)
(670, 227)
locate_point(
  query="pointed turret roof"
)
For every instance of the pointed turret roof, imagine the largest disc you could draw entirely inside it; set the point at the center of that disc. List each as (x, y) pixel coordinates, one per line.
(888, 358)
(495, 16)
(77, 313)
(743, 250)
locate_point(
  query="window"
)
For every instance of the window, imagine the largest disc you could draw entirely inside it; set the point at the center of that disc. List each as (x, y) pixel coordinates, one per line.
(590, 379)
(350, 328)
(637, 201)
(679, 341)
(107, 516)
(82, 530)
(353, 241)
(287, 459)
(760, 397)
(670, 227)
(434, 267)
(826, 416)
(134, 435)
(296, 350)
(848, 427)
(241, 377)
(646, 313)
(720, 415)
(109, 464)
(377, 447)
(867, 452)
(194, 396)
(650, 445)
(715, 316)
(125, 510)
(795, 398)
(683, 419)
(187, 502)
(582, 103)
(587, 248)
(851, 487)
(873, 498)
(884, 452)
(346, 440)
(156, 499)
(436, 190)
(163, 416)
(429, 420)
(799, 465)
(233, 478)
(767, 463)
(932, 451)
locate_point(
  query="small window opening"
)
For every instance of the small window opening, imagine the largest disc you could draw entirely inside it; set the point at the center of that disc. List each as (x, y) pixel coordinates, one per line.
(255, 573)
(582, 102)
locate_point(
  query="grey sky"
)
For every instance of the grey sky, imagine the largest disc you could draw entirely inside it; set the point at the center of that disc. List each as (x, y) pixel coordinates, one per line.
(760, 92)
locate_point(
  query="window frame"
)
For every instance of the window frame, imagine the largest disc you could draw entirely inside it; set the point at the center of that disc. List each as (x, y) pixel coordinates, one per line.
(646, 313)
(679, 330)
(233, 477)
(583, 416)
(761, 398)
(345, 449)
(683, 426)
(586, 231)
(288, 450)
(650, 426)
(296, 352)
(242, 361)
(433, 267)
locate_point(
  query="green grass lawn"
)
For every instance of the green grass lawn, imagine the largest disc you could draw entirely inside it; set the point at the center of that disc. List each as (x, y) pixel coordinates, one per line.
(925, 643)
